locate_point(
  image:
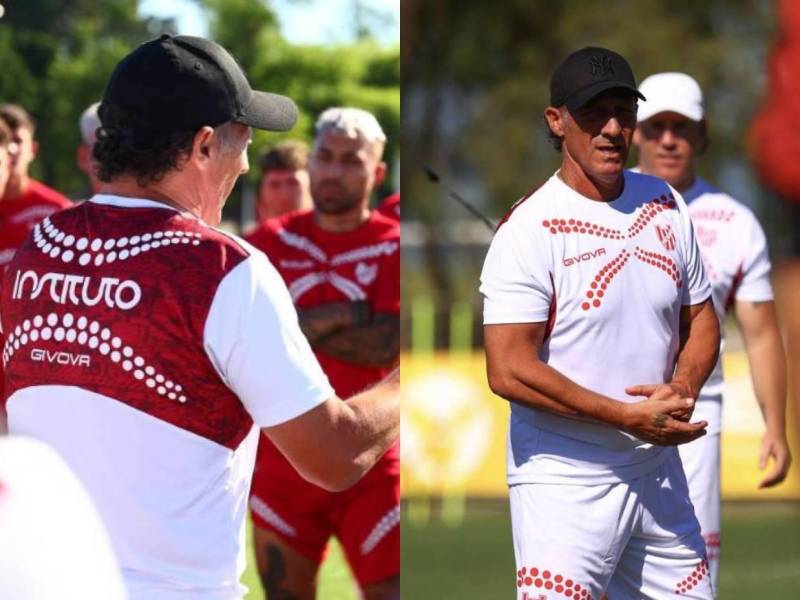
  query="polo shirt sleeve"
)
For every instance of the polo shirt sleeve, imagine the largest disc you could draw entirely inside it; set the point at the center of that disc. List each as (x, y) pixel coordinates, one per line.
(515, 282)
(755, 284)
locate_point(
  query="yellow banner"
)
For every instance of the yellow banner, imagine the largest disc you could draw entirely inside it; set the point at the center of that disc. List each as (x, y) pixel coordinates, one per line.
(454, 430)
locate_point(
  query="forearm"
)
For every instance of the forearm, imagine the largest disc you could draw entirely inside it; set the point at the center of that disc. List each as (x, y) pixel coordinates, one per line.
(335, 443)
(371, 424)
(699, 348)
(768, 369)
(535, 384)
(376, 345)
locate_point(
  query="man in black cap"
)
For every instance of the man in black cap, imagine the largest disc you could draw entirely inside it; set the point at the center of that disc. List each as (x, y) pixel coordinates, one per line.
(600, 332)
(151, 349)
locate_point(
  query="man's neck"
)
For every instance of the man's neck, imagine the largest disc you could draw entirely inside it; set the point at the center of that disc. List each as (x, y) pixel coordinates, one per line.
(342, 223)
(593, 188)
(16, 187)
(129, 188)
(682, 185)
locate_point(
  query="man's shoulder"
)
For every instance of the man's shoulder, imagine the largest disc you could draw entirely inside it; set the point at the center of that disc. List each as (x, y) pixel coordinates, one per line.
(536, 202)
(714, 205)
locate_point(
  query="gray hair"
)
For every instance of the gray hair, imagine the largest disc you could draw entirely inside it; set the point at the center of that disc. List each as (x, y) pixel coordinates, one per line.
(353, 122)
(89, 123)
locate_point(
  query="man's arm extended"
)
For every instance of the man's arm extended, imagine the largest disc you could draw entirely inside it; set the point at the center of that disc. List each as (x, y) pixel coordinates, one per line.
(762, 341)
(698, 353)
(517, 374)
(349, 331)
(336, 443)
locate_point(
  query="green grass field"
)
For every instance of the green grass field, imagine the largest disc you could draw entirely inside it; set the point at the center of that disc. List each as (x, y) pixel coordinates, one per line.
(760, 554)
(335, 583)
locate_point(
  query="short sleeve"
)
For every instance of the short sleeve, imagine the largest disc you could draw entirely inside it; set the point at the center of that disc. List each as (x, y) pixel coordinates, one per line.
(515, 282)
(696, 288)
(755, 284)
(386, 297)
(253, 338)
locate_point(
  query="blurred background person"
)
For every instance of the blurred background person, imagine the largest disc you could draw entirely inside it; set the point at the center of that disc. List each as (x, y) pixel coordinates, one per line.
(283, 187)
(26, 201)
(88, 124)
(341, 262)
(671, 135)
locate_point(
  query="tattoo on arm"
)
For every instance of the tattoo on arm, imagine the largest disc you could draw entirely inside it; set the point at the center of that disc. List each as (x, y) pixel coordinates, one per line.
(273, 580)
(326, 319)
(659, 420)
(376, 345)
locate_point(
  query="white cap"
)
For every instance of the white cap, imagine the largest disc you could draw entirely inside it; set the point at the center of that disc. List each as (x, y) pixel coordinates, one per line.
(89, 123)
(671, 92)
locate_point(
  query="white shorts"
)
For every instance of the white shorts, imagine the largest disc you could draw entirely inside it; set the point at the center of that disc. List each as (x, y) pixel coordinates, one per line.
(633, 540)
(701, 463)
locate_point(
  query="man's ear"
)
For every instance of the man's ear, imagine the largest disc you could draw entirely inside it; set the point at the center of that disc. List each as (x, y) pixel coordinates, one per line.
(380, 173)
(35, 148)
(202, 145)
(555, 121)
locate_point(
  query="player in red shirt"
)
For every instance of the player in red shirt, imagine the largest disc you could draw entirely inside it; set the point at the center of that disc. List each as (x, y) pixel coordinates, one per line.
(25, 201)
(341, 263)
(283, 187)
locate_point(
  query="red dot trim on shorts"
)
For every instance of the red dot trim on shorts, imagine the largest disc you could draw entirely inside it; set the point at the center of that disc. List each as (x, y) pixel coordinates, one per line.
(690, 582)
(549, 581)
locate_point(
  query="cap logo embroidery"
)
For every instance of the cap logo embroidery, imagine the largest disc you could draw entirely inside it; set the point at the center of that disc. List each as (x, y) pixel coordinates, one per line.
(601, 66)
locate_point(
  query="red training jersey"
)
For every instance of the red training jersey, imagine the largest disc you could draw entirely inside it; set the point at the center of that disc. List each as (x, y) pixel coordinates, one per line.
(320, 267)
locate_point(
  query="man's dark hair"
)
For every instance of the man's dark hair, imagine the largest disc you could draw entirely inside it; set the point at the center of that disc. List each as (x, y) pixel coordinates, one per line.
(555, 141)
(127, 146)
(289, 155)
(15, 117)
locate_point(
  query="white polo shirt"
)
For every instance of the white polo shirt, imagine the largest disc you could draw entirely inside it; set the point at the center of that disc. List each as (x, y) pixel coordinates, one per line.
(610, 278)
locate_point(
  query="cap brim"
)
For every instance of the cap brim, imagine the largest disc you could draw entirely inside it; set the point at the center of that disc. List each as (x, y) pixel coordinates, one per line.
(583, 96)
(271, 112)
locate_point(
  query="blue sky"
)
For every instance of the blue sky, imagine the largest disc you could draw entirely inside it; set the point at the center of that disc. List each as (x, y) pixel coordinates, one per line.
(302, 21)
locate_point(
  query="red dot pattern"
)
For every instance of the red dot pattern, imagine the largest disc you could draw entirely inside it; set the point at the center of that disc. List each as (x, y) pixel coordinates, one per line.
(649, 212)
(712, 215)
(597, 288)
(661, 262)
(693, 580)
(552, 581)
(556, 226)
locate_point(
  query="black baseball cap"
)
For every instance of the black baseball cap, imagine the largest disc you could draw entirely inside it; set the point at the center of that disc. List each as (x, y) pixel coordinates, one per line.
(182, 83)
(588, 72)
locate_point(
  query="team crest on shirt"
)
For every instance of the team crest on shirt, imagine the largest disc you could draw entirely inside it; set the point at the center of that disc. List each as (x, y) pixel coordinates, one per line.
(666, 237)
(366, 273)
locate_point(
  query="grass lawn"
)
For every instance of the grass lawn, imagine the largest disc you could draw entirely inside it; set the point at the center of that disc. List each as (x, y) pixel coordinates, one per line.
(760, 554)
